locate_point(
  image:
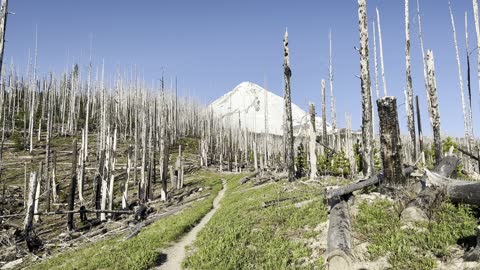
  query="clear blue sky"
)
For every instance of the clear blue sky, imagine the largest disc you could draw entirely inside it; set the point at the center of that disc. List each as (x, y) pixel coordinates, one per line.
(214, 45)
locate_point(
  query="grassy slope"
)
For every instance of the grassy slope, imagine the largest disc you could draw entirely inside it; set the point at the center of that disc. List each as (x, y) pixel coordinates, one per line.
(143, 250)
(244, 235)
(409, 248)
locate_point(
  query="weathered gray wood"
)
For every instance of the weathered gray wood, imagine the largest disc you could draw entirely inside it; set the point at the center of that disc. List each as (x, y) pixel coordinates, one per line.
(339, 243)
(333, 193)
(71, 196)
(367, 127)
(312, 143)
(410, 110)
(390, 142)
(433, 106)
(288, 132)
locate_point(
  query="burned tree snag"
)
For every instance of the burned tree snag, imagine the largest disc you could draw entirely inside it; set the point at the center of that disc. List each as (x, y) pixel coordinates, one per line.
(367, 128)
(391, 144)
(3, 26)
(324, 115)
(419, 124)
(410, 110)
(312, 143)
(30, 237)
(433, 106)
(288, 129)
(71, 195)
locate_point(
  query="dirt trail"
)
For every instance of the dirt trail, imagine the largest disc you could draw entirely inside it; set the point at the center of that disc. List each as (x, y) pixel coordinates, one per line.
(172, 257)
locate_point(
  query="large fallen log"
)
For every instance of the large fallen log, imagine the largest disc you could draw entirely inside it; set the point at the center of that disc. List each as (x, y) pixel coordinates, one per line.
(338, 238)
(347, 189)
(457, 191)
(353, 187)
(428, 195)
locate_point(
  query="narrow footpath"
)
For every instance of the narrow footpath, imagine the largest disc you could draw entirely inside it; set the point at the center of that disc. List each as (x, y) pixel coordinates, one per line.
(172, 257)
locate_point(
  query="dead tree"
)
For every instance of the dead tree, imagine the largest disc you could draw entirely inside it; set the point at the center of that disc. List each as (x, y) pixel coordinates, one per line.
(73, 183)
(288, 130)
(339, 245)
(410, 110)
(324, 114)
(419, 125)
(433, 106)
(33, 242)
(312, 143)
(333, 112)
(125, 186)
(367, 128)
(3, 26)
(380, 42)
(460, 79)
(390, 142)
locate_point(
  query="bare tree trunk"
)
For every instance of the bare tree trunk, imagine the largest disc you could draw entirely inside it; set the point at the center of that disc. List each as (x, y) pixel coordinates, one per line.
(367, 129)
(332, 97)
(37, 194)
(477, 31)
(391, 144)
(288, 133)
(419, 124)
(381, 50)
(3, 26)
(71, 196)
(460, 79)
(433, 108)
(125, 187)
(30, 236)
(324, 115)
(410, 110)
(312, 143)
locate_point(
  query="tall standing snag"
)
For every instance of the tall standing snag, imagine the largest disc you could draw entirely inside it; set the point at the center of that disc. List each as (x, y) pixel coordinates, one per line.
(410, 110)
(391, 144)
(312, 143)
(71, 196)
(3, 25)
(433, 106)
(288, 132)
(367, 128)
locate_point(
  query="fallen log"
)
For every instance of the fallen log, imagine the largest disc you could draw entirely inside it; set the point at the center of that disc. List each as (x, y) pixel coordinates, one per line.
(339, 252)
(353, 187)
(457, 191)
(376, 179)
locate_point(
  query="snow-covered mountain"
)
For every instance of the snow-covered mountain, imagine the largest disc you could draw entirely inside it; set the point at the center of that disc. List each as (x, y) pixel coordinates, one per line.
(251, 106)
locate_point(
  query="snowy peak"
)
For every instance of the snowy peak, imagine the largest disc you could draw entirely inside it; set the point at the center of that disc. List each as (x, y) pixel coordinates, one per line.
(250, 105)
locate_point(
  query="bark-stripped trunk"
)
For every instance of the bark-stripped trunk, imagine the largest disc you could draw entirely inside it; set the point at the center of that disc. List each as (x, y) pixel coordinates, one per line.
(460, 79)
(333, 112)
(390, 142)
(125, 186)
(433, 106)
(477, 31)
(419, 124)
(312, 143)
(380, 42)
(410, 110)
(71, 196)
(3, 26)
(288, 131)
(367, 128)
(324, 114)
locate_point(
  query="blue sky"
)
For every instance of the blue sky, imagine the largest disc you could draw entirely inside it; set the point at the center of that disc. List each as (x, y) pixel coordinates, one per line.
(214, 45)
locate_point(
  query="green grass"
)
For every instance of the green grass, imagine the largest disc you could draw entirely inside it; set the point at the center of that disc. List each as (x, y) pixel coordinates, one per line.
(244, 235)
(413, 248)
(142, 251)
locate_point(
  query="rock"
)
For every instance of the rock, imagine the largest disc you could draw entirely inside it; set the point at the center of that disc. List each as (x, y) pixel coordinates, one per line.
(413, 214)
(12, 264)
